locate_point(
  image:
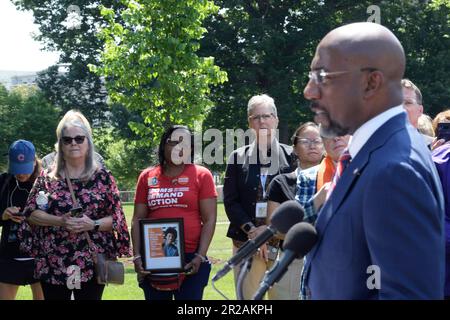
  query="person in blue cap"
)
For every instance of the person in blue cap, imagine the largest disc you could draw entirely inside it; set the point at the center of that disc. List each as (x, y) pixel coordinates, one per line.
(16, 268)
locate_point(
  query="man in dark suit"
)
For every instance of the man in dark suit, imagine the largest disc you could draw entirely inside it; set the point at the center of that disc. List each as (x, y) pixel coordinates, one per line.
(381, 230)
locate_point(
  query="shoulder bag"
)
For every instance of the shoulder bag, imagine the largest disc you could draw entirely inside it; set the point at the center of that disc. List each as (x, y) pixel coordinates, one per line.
(107, 271)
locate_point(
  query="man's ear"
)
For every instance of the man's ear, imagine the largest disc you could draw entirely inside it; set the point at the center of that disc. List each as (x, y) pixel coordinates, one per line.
(373, 83)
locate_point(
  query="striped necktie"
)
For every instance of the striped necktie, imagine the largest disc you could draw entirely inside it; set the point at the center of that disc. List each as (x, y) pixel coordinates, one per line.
(343, 163)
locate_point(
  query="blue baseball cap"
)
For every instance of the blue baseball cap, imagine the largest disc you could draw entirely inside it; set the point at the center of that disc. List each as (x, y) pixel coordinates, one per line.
(21, 157)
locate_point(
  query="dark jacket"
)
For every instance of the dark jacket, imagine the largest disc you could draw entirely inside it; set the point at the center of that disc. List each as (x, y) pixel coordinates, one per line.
(441, 157)
(381, 232)
(18, 194)
(242, 179)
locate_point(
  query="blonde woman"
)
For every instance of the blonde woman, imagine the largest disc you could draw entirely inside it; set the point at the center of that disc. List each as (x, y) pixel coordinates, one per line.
(58, 240)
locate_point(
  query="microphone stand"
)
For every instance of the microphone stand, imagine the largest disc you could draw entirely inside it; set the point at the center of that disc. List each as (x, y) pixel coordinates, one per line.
(261, 292)
(244, 266)
(264, 286)
(218, 291)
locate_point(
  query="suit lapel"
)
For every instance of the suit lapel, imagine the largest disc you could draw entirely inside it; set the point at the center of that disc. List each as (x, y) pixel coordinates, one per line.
(356, 168)
(348, 178)
(352, 173)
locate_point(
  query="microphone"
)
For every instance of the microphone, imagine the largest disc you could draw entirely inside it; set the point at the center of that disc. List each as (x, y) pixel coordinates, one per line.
(282, 219)
(297, 243)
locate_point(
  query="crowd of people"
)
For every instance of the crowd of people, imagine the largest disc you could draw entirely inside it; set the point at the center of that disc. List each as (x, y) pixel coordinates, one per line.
(371, 171)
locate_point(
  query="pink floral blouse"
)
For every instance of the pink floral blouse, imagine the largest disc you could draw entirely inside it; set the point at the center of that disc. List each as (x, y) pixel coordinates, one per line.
(55, 248)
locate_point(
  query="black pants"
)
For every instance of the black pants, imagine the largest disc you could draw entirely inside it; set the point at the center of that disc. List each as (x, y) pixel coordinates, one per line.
(90, 290)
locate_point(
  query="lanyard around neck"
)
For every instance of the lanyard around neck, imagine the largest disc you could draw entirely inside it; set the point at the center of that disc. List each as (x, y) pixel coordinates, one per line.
(264, 172)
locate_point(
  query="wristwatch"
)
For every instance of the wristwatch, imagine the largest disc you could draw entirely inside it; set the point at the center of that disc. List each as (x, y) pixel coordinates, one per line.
(96, 225)
(247, 227)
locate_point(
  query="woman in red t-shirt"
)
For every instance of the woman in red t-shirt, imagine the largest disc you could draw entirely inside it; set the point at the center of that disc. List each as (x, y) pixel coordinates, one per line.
(176, 188)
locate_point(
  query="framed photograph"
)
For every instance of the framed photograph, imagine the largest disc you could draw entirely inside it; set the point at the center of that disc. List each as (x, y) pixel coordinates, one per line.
(162, 245)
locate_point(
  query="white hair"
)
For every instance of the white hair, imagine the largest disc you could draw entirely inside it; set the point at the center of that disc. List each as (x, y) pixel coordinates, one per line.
(262, 99)
(75, 119)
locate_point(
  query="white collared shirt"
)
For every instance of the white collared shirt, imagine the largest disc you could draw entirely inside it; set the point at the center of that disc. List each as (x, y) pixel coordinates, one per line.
(363, 133)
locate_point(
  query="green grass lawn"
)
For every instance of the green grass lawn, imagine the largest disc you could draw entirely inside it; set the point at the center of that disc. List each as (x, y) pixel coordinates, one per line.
(219, 252)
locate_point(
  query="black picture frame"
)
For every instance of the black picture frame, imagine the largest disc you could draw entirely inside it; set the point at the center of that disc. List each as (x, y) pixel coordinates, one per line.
(158, 256)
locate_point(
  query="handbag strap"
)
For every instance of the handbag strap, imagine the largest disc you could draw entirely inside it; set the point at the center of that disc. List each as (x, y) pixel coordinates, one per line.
(69, 184)
(92, 247)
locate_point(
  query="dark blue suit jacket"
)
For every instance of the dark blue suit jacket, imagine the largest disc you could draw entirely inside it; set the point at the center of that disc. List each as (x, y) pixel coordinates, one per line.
(387, 210)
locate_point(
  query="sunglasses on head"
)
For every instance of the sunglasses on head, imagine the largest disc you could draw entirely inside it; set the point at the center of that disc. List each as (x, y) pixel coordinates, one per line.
(68, 140)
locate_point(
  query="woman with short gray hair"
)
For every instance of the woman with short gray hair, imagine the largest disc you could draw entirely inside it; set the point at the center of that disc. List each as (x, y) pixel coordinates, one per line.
(249, 172)
(261, 99)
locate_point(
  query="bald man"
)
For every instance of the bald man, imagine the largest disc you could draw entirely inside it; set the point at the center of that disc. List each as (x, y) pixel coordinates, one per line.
(381, 230)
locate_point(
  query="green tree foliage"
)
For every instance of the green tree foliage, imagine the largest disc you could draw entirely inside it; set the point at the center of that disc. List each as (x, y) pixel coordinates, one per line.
(424, 30)
(267, 47)
(151, 63)
(26, 114)
(153, 57)
(125, 153)
(125, 158)
(77, 87)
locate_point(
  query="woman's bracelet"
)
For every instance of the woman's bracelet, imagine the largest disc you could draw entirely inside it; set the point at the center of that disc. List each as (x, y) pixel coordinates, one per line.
(203, 258)
(136, 258)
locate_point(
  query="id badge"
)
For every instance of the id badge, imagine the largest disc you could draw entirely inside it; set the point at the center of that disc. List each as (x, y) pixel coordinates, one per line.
(261, 210)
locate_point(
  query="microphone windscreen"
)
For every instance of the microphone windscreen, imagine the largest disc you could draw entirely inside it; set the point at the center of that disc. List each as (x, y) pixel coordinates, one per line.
(286, 215)
(300, 238)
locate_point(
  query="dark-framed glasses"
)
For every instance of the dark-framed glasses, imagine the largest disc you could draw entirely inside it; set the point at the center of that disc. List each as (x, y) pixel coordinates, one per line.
(68, 140)
(265, 116)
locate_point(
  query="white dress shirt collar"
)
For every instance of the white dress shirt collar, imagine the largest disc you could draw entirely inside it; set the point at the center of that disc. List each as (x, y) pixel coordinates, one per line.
(363, 133)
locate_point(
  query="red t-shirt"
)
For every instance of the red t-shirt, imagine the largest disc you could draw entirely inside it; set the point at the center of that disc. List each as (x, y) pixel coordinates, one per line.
(177, 197)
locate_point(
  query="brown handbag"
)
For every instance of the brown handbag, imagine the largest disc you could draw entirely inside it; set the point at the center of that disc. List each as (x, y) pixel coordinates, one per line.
(107, 271)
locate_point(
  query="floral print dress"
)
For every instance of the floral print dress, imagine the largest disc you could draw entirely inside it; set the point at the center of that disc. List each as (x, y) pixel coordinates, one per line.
(55, 249)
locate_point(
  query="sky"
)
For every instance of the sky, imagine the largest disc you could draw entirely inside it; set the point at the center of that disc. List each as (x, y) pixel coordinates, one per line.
(18, 50)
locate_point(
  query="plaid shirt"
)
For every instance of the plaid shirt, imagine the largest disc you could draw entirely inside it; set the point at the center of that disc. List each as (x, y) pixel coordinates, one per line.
(306, 188)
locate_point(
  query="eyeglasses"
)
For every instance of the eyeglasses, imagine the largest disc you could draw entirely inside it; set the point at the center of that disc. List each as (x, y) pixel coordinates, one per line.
(320, 76)
(68, 140)
(410, 102)
(310, 143)
(264, 117)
